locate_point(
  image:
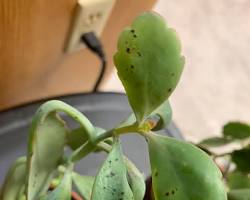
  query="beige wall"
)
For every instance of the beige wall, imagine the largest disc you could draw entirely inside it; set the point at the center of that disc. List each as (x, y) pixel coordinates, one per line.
(215, 86)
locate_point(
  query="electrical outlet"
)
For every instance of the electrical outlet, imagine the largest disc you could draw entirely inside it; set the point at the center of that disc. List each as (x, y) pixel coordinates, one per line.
(90, 15)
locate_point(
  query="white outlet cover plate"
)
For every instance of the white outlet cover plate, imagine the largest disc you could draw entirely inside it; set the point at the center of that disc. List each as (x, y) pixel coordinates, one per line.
(90, 15)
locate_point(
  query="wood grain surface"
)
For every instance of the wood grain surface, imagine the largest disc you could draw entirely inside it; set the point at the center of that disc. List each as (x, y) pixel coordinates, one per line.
(32, 38)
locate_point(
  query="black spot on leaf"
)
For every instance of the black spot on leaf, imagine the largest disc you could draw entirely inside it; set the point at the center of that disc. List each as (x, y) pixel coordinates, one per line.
(112, 174)
(156, 173)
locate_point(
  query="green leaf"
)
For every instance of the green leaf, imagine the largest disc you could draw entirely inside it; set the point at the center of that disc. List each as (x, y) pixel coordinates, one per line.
(136, 180)
(111, 182)
(238, 180)
(240, 194)
(149, 63)
(181, 171)
(46, 147)
(84, 185)
(164, 112)
(76, 138)
(158, 119)
(129, 121)
(63, 191)
(242, 159)
(236, 130)
(215, 142)
(14, 181)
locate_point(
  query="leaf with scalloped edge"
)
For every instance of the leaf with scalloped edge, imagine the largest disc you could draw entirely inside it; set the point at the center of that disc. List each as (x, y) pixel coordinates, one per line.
(149, 63)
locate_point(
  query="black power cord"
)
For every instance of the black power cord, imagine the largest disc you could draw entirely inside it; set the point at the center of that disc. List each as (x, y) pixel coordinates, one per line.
(95, 45)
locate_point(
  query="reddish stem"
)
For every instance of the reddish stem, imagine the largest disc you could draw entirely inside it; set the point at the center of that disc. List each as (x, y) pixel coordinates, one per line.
(75, 196)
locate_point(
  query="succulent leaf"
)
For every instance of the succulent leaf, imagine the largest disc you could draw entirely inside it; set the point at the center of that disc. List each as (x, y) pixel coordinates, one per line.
(236, 130)
(242, 159)
(136, 180)
(46, 148)
(181, 171)
(149, 63)
(240, 194)
(84, 185)
(14, 181)
(164, 112)
(238, 180)
(215, 142)
(63, 190)
(111, 182)
(76, 138)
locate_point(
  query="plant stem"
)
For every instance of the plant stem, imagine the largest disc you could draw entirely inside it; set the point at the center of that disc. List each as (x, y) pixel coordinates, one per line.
(82, 151)
(89, 146)
(116, 131)
(59, 106)
(105, 147)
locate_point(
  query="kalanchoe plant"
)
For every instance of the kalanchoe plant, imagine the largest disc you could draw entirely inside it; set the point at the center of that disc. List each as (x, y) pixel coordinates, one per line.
(149, 64)
(235, 162)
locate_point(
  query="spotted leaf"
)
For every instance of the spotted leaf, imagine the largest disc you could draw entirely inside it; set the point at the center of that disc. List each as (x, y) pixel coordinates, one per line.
(111, 182)
(149, 63)
(181, 171)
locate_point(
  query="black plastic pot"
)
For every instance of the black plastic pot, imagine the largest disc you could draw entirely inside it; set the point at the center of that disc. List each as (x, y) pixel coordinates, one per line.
(103, 109)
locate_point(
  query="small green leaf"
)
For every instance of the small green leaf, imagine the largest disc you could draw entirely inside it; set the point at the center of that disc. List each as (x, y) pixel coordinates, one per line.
(236, 130)
(111, 182)
(242, 159)
(240, 194)
(238, 180)
(149, 63)
(63, 191)
(164, 112)
(14, 181)
(129, 121)
(215, 142)
(136, 180)
(84, 185)
(76, 138)
(46, 147)
(181, 171)
(158, 119)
